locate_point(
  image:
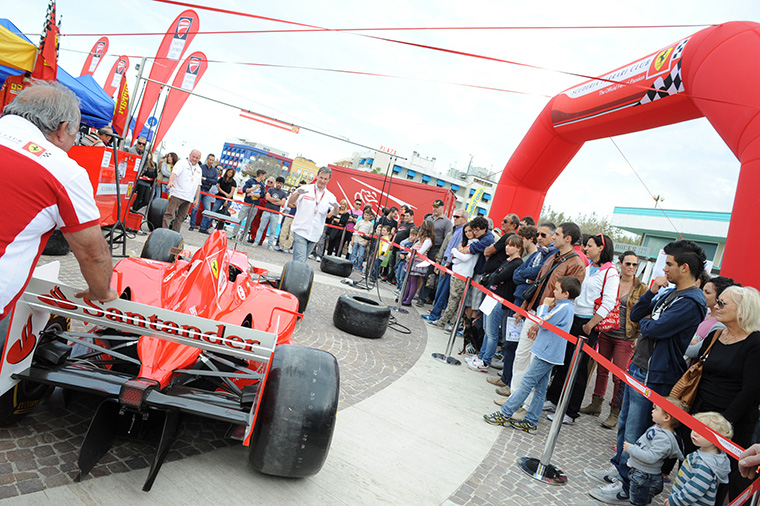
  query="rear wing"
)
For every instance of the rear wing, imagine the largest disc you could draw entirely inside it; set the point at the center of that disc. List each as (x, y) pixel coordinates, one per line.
(42, 297)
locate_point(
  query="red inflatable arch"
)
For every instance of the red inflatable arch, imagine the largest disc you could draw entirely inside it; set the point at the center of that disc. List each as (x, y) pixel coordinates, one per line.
(713, 73)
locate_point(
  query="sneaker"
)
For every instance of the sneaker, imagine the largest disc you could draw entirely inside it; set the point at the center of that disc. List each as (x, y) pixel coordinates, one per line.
(478, 365)
(606, 476)
(612, 493)
(500, 401)
(314, 258)
(470, 349)
(191, 229)
(427, 317)
(519, 414)
(549, 406)
(504, 391)
(420, 303)
(271, 248)
(202, 231)
(495, 380)
(497, 364)
(496, 419)
(436, 323)
(449, 327)
(566, 420)
(498, 356)
(523, 426)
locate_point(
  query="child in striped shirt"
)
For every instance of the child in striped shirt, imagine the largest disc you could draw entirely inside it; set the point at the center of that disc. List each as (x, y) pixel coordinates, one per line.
(704, 469)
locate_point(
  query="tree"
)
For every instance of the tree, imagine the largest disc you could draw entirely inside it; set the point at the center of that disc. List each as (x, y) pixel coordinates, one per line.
(590, 224)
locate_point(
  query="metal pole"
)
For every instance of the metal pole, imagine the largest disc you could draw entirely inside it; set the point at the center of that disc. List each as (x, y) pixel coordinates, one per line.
(446, 357)
(541, 469)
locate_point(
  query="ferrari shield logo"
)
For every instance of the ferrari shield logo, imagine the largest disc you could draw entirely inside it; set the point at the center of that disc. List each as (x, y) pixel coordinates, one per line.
(215, 268)
(34, 149)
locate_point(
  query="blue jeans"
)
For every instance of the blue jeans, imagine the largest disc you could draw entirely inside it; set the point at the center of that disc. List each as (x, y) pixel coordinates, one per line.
(208, 205)
(400, 270)
(492, 326)
(536, 379)
(302, 248)
(644, 486)
(267, 219)
(357, 255)
(247, 214)
(508, 350)
(441, 296)
(634, 419)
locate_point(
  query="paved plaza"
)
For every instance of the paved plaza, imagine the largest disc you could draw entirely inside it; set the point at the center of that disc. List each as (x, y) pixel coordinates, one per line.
(409, 431)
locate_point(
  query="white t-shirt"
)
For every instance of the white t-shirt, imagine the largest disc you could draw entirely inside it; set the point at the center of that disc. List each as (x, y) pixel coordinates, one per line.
(187, 179)
(42, 189)
(311, 212)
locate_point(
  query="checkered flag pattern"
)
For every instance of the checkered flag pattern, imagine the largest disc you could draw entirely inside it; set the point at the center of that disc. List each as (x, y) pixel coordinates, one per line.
(49, 23)
(679, 49)
(662, 88)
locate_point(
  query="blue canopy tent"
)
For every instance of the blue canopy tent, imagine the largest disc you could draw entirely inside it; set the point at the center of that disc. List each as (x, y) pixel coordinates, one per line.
(96, 107)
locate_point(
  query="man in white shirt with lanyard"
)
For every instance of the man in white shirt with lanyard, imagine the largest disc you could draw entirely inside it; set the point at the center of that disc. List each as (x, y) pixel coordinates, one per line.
(184, 189)
(314, 203)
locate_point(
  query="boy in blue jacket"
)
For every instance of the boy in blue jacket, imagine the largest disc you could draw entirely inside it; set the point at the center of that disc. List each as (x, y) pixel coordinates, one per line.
(548, 351)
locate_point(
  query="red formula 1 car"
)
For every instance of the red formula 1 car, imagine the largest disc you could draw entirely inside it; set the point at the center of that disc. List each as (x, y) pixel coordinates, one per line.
(192, 335)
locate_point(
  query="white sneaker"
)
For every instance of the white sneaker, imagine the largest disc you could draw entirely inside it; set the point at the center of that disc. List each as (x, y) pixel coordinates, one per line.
(566, 420)
(549, 406)
(612, 493)
(478, 365)
(606, 476)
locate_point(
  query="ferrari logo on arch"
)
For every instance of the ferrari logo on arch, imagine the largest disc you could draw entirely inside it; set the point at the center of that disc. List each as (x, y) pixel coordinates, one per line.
(34, 149)
(662, 58)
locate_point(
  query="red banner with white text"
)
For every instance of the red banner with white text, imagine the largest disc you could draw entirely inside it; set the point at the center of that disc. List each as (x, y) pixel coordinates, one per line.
(97, 53)
(173, 46)
(187, 78)
(119, 68)
(121, 111)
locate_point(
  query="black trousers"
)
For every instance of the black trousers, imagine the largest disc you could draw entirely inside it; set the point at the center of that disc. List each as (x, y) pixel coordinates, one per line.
(560, 371)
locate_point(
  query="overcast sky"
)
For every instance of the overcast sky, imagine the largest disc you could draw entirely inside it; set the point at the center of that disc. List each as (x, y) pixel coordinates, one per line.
(421, 111)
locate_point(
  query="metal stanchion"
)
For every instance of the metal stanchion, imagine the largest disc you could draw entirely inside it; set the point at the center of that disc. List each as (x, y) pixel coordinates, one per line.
(541, 469)
(409, 263)
(446, 356)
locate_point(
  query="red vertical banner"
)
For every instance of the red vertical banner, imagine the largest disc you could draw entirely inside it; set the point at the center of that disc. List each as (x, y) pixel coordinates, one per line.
(97, 53)
(121, 111)
(174, 44)
(46, 66)
(119, 69)
(188, 76)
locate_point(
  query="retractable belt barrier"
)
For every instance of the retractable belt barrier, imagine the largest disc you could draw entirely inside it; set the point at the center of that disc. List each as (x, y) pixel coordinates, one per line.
(682, 416)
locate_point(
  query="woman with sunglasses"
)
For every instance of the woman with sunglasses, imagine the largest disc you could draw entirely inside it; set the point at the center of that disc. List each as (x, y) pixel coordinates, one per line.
(618, 345)
(712, 289)
(601, 281)
(730, 381)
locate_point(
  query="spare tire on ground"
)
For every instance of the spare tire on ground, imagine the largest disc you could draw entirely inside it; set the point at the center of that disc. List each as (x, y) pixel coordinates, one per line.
(156, 211)
(56, 244)
(361, 316)
(336, 265)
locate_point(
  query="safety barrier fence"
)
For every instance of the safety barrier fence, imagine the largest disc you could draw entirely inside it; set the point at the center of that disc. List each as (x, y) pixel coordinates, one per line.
(682, 416)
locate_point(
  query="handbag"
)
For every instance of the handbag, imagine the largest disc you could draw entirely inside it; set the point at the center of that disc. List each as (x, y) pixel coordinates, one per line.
(686, 387)
(612, 320)
(533, 287)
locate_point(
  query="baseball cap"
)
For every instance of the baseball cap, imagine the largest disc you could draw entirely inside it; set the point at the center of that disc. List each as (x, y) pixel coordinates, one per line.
(437, 203)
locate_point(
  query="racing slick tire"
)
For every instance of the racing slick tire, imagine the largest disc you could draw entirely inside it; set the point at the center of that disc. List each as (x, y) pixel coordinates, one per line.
(361, 316)
(17, 402)
(336, 265)
(156, 211)
(159, 245)
(57, 244)
(296, 418)
(297, 278)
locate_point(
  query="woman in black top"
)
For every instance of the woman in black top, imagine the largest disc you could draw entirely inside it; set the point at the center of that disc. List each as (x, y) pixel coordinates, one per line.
(334, 234)
(226, 188)
(144, 184)
(730, 381)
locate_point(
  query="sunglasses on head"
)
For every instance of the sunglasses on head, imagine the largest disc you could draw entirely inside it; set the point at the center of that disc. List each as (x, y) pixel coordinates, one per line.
(631, 264)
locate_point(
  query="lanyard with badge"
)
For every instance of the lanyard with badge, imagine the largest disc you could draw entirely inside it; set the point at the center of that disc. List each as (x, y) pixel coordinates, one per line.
(317, 202)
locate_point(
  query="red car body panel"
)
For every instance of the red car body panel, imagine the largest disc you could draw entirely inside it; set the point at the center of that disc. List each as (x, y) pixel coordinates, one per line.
(201, 286)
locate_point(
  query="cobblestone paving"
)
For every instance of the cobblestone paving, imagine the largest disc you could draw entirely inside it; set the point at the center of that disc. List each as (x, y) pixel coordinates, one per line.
(41, 450)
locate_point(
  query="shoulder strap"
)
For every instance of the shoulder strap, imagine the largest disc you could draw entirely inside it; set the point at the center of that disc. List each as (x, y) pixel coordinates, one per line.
(556, 264)
(716, 335)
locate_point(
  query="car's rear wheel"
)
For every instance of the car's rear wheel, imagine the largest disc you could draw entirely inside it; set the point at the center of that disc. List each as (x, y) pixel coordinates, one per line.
(297, 278)
(156, 211)
(296, 418)
(159, 245)
(17, 402)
